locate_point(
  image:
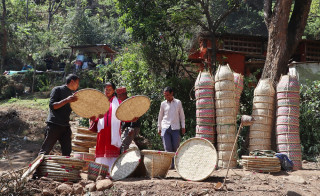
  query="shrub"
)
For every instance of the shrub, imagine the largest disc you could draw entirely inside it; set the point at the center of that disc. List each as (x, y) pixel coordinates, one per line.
(310, 119)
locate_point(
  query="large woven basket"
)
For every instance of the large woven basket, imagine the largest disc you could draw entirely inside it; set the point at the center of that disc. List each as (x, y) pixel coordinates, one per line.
(196, 159)
(225, 103)
(264, 87)
(225, 85)
(157, 163)
(281, 129)
(125, 164)
(225, 129)
(133, 107)
(226, 112)
(204, 92)
(225, 94)
(287, 110)
(205, 112)
(91, 102)
(224, 72)
(97, 169)
(288, 83)
(288, 95)
(204, 80)
(208, 136)
(207, 102)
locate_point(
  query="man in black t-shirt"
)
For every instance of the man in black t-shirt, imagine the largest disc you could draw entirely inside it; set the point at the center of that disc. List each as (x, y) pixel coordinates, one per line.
(58, 127)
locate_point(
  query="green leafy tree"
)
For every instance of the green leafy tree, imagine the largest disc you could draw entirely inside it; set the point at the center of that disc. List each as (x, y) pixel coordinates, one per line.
(310, 119)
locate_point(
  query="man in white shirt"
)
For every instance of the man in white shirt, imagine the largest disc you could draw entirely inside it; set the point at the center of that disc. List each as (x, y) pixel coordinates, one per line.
(170, 120)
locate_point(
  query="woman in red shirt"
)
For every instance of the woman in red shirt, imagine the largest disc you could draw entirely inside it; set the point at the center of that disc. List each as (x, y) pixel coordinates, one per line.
(108, 129)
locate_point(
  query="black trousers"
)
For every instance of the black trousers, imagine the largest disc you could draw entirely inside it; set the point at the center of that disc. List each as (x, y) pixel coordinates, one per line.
(56, 133)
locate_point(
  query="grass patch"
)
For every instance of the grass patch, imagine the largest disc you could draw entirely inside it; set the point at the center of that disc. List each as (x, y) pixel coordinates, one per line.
(27, 102)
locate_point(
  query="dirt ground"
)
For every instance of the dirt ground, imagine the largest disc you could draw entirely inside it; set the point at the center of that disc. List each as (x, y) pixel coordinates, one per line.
(21, 134)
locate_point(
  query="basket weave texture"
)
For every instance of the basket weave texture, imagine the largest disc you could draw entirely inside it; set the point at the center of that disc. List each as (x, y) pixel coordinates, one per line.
(91, 102)
(196, 159)
(97, 169)
(157, 163)
(263, 104)
(133, 107)
(125, 164)
(83, 139)
(287, 125)
(261, 163)
(227, 113)
(60, 168)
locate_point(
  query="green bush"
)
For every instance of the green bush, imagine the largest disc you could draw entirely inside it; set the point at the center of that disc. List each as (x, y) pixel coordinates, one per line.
(310, 119)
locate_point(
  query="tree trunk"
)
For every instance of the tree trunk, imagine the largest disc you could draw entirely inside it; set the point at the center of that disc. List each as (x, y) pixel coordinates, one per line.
(285, 33)
(4, 37)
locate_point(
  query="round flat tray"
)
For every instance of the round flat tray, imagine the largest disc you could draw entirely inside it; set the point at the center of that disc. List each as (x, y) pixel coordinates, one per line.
(91, 102)
(125, 164)
(133, 107)
(196, 159)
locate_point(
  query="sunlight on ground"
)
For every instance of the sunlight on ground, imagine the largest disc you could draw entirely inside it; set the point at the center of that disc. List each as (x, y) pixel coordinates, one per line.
(27, 102)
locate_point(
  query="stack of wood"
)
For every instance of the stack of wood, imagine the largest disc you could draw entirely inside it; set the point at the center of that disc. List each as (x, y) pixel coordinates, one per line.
(83, 139)
(287, 130)
(226, 114)
(205, 115)
(261, 163)
(262, 112)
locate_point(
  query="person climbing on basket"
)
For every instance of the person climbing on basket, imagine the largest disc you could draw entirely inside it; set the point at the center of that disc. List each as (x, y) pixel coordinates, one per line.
(58, 127)
(129, 129)
(108, 129)
(170, 120)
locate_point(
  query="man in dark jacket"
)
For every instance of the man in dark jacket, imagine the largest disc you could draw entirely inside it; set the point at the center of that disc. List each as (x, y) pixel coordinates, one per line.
(58, 127)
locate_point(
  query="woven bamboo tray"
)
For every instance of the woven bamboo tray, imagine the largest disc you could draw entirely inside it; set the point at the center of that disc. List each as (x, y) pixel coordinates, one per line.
(133, 107)
(126, 164)
(157, 163)
(91, 102)
(85, 137)
(87, 144)
(83, 130)
(261, 163)
(76, 148)
(196, 159)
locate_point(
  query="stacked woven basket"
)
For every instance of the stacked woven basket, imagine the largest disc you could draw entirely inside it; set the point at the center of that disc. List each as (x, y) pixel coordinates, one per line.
(83, 139)
(287, 130)
(204, 88)
(60, 168)
(263, 102)
(226, 113)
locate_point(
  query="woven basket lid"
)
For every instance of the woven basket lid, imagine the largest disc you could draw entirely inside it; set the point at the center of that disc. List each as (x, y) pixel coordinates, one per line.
(196, 159)
(133, 107)
(125, 164)
(91, 102)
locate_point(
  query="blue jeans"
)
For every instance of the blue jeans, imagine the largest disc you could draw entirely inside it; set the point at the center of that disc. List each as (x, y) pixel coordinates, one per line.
(171, 140)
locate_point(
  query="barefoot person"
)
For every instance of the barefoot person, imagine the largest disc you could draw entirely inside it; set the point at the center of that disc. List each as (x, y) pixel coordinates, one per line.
(108, 129)
(58, 127)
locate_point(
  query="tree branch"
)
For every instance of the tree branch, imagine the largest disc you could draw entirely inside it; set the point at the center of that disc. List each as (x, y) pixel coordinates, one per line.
(298, 22)
(225, 14)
